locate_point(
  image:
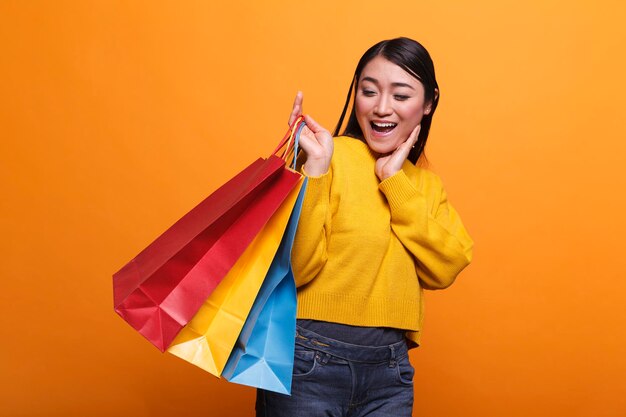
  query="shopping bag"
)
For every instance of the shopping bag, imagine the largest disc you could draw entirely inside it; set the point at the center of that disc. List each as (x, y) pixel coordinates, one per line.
(264, 354)
(208, 339)
(163, 287)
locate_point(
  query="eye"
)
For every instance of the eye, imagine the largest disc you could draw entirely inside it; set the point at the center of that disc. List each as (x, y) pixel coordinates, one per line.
(368, 93)
(401, 97)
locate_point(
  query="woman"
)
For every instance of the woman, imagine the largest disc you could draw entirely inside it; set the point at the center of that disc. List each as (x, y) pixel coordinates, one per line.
(375, 230)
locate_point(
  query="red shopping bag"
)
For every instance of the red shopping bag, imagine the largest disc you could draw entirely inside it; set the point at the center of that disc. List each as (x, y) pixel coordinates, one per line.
(161, 289)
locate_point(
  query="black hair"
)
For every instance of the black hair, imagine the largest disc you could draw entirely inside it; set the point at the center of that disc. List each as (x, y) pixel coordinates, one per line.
(412, 57)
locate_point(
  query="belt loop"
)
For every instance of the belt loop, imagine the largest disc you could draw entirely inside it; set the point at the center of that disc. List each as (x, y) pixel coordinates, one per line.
(392, 360)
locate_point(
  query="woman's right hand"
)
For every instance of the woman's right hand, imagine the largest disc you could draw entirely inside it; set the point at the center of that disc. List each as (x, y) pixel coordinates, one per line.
(316, 142)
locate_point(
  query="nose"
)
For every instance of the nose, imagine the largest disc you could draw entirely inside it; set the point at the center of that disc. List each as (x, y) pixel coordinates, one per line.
(383, 106)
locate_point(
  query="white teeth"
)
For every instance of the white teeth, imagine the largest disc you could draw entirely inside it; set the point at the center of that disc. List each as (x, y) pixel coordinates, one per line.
(384, 124)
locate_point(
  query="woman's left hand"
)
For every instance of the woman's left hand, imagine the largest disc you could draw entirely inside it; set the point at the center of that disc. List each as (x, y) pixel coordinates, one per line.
(390, 164)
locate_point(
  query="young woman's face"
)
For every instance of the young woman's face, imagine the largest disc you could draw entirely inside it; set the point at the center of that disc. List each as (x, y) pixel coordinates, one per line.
(389, 105)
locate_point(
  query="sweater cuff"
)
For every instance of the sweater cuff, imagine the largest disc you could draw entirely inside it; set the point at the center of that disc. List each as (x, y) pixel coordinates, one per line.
(398, 189)
(326, 174)
(317, 186)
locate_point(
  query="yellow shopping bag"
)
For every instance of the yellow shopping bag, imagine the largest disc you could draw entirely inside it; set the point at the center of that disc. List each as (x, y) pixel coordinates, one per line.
(208, 339)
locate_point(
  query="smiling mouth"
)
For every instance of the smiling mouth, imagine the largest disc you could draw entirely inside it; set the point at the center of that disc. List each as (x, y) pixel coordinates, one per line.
(386, 127)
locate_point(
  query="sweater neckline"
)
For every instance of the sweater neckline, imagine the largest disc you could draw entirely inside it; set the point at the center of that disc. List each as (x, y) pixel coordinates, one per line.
(365, 147)
(406, 164)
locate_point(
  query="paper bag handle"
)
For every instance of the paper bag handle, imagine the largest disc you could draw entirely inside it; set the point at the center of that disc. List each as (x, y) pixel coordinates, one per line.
(289, 142)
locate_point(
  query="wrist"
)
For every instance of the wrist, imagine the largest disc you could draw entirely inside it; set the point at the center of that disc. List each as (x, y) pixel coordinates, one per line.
(315, 168)
(387, 173)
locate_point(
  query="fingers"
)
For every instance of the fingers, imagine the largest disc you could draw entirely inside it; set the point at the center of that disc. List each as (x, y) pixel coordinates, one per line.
(322, 135)
(414, 136)
(403, 150)
(387, 165)
(313, 125)
(318, 145)
(297, 108)
(393, 163)
(308, 142)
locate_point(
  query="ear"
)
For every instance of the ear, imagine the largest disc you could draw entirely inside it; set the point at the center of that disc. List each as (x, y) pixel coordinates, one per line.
(429, 106)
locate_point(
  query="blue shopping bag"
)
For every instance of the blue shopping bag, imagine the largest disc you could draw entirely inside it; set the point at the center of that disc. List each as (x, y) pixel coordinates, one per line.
(263, 354)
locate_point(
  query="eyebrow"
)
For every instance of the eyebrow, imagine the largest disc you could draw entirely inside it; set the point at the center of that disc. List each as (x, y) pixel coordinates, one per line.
(375, 81)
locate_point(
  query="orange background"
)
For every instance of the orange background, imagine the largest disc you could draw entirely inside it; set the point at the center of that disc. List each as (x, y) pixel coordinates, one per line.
(118, 117)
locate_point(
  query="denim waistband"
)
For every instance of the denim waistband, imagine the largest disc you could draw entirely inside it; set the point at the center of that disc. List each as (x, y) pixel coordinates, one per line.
(350, 352)
(356, 335)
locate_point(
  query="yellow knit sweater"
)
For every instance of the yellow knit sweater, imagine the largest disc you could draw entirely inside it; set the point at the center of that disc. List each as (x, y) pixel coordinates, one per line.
(365, 249)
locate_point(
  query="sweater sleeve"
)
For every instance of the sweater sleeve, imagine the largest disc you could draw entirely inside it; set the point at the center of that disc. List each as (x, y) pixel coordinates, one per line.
(428, 227)
(309, 254)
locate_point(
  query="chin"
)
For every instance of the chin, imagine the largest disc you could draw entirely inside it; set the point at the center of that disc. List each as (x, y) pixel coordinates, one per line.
(381, 148)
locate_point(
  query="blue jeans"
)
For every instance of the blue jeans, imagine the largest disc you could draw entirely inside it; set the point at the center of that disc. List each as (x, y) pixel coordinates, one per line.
(333, 378)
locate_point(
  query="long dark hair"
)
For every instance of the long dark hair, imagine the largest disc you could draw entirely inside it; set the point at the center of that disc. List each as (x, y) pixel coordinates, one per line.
(412, 57)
